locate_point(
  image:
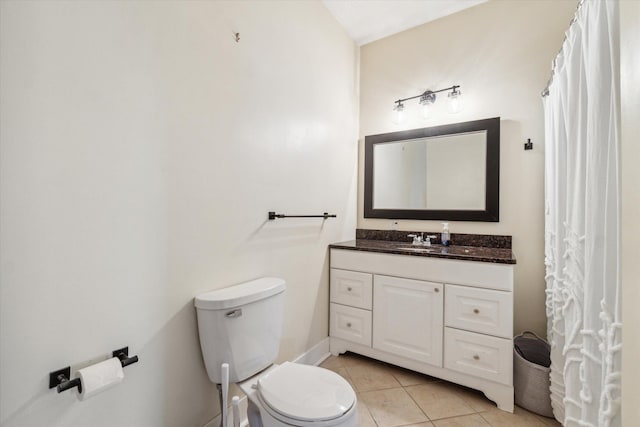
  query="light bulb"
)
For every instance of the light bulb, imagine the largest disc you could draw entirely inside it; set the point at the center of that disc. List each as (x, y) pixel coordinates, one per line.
(426, 101)
(455, 103)
(426, 111)
(398, 113)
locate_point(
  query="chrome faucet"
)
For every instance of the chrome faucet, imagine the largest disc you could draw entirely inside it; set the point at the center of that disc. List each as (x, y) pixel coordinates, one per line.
(427, 240)
(417, 240)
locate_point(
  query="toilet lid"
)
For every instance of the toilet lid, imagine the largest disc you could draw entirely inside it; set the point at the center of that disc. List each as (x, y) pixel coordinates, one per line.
(306, 393)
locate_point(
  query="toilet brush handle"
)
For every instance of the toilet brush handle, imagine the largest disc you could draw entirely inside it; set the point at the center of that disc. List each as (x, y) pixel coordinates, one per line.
(225, 393)
(235, 407)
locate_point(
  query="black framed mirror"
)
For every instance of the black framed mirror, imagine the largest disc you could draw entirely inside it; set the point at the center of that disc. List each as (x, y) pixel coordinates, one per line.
(449, 172)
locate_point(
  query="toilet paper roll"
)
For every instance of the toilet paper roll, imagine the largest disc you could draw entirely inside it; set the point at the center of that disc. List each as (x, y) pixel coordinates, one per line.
(100, 377)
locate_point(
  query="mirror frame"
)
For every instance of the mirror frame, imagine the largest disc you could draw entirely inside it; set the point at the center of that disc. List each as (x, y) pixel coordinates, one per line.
(491, 213)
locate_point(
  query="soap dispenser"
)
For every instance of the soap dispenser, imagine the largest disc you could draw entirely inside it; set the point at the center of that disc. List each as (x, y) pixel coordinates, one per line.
(445, 234)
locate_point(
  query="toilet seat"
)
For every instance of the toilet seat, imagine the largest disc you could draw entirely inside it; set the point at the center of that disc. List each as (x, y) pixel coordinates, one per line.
(305, 395)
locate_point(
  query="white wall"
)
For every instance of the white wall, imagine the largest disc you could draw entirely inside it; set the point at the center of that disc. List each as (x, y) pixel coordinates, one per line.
(141, 150)
(500, 52)
(630, 153)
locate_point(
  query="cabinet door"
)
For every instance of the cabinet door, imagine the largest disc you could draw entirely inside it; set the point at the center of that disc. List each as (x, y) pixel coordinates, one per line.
(407, 318)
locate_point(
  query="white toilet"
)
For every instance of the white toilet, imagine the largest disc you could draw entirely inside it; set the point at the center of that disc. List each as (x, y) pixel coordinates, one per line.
(241, 325)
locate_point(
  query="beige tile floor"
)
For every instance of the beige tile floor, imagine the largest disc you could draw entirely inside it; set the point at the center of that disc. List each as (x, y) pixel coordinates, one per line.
(389, 396)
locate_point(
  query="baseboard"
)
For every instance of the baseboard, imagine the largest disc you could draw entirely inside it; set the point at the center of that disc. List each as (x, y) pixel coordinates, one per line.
(314, 356)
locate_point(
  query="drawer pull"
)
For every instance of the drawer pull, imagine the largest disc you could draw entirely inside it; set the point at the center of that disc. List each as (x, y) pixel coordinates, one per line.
(476, 311)
(436, 290)
(476, 357)
(349, 289)
(348, 325)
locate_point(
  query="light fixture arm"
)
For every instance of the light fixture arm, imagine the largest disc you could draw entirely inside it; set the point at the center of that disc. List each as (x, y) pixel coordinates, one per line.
(427, 92)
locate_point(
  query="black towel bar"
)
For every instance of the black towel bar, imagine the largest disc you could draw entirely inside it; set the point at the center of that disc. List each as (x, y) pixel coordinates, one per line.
(273, 215)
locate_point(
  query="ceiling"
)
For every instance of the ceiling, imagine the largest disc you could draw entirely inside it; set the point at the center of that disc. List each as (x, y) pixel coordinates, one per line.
(369, 20)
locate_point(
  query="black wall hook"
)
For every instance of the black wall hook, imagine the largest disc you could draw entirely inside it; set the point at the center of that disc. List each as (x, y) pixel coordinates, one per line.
(528, 145)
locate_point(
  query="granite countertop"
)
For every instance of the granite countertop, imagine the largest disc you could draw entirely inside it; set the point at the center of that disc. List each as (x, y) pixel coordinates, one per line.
(466, 253)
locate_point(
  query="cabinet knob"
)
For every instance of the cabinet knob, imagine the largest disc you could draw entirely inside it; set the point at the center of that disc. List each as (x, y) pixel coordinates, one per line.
(349, 289)
(348, 325)
(476, 311)
(436, 290)
(476, 357)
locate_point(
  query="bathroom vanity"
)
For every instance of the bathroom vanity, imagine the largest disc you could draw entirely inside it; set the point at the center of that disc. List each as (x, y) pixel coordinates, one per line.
(442, 311)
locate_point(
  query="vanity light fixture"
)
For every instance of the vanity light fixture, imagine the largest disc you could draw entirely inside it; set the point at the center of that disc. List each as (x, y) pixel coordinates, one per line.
(427, 99)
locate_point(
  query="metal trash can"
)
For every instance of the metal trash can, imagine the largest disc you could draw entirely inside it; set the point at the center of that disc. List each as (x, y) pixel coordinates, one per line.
(531, 368)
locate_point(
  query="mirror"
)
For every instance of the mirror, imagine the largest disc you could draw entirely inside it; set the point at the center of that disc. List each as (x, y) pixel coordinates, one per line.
(448, 172)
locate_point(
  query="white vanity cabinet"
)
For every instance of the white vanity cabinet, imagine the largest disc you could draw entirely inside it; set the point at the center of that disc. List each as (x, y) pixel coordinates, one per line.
(446, 318)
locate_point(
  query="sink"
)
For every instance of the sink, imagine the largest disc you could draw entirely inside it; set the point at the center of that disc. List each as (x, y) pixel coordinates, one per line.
(417, 249)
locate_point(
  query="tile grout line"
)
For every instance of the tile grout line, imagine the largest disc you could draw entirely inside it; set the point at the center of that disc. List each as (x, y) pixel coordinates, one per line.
(416, 403)
(475, 412)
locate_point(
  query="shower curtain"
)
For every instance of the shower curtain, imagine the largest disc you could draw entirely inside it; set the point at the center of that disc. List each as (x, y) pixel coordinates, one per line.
(582, 227)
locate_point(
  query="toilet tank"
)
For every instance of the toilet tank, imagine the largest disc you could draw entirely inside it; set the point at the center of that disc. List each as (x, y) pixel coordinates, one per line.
(241, 325)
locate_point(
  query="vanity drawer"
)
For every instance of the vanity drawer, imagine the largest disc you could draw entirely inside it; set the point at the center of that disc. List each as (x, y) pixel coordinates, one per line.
(351, 288)
(479, 310)
(351, 324)
(479, 355)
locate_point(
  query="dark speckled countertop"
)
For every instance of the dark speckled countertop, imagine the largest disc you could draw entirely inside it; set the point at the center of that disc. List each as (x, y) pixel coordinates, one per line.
(466, 253)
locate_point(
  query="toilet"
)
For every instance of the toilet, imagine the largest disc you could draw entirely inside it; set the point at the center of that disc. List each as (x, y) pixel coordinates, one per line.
(242, 325)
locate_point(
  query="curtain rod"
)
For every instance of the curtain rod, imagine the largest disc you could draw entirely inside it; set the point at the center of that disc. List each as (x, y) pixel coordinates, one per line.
(545, 91)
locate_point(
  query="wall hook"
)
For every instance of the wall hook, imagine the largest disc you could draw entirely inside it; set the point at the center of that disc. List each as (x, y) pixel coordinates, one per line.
(237, 37)
(528, 145)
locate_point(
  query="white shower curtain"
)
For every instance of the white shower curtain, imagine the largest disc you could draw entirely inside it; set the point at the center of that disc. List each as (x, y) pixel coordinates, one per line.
(582, 230)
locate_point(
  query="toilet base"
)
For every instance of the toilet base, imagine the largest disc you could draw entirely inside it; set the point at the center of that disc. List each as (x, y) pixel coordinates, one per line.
(253, 414)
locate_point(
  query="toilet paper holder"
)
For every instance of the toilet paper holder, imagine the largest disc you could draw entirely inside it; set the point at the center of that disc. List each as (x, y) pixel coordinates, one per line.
(61, 379)
(123, 355)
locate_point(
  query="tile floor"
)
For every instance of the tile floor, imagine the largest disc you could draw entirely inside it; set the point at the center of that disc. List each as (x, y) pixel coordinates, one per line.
(389, 396)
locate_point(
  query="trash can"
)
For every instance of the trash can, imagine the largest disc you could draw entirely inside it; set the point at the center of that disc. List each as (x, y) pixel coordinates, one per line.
(531, 368)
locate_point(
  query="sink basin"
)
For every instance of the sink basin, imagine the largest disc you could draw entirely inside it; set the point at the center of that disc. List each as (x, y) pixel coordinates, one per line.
(415, 249)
